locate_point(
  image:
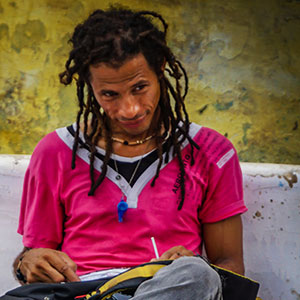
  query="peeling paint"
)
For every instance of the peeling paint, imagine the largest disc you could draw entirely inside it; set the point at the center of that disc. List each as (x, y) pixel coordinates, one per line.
(28, 35)
(202, 109)
(294, 292)
(258, 214)
(291, 178)
(220, 106)
(295, 125)
(246, 127)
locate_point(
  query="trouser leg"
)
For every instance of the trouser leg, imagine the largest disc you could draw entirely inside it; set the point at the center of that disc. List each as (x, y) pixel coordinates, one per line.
(185, 278)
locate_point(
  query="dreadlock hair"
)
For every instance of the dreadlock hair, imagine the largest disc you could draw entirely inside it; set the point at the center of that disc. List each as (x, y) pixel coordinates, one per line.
(112, 37)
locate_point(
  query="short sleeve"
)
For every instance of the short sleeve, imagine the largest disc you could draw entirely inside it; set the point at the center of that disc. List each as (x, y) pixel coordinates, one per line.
(224, 195)
(41, 213)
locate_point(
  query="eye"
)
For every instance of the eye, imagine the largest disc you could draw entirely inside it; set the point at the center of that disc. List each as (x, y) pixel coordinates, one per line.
(108, 94)
(140, 87)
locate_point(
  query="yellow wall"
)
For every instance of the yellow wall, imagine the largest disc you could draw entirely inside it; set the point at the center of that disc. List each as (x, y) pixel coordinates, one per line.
(242, 58)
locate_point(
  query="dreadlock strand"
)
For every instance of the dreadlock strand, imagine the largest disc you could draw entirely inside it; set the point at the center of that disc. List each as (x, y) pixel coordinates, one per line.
(171, 118)
(186, 79)
(92, 159)
(76, 140)
(176, 98)
(154, 14)
(86, 116)
(94, 124)
(182, 175)
(106, 159)
(158, 141)
(181, 99)
(80, 96)
(94, 141)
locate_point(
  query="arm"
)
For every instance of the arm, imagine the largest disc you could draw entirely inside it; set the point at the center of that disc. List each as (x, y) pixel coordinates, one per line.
(42, 217)
(224, 243)
(45, 265)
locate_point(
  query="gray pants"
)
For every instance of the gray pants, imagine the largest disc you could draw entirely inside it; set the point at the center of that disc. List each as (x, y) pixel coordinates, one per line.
(186, 278)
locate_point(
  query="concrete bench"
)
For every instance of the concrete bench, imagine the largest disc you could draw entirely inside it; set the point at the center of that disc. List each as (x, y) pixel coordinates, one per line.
(271, 225)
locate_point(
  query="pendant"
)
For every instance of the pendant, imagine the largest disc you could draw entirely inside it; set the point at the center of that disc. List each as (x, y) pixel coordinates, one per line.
(122, 208)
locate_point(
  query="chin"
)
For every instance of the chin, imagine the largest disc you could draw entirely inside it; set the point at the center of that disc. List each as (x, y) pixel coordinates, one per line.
(137, 131)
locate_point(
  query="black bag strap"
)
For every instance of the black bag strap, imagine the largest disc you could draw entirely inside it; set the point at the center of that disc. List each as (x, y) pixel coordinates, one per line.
(52, 291)
(128, 281)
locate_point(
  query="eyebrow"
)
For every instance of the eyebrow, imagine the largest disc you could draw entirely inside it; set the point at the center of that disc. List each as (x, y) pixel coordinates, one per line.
(107, 91)
(140, 82)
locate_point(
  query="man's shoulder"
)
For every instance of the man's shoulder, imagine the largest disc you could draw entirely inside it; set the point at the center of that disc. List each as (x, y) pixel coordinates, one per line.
(205, 135)
(212, 144)
(51, 143)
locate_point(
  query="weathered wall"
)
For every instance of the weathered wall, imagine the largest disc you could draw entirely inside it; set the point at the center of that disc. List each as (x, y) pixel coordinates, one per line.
(271, 225)
(241, 56)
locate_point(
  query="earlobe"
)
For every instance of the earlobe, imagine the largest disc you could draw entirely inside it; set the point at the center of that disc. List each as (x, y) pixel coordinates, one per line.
(163, 66)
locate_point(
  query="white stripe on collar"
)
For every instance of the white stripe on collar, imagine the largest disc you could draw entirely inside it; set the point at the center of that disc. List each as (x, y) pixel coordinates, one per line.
(133, 192)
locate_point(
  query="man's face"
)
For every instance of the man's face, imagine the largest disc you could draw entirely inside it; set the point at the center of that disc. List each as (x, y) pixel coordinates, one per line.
(129, 95)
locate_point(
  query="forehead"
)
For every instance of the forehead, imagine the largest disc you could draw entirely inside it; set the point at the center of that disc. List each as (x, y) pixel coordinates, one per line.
(133, 68)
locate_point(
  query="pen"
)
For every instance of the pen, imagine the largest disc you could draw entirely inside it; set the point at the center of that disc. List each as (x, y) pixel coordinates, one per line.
(155, 248)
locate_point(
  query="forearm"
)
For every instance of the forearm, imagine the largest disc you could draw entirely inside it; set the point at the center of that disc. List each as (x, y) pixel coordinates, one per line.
(224, 244)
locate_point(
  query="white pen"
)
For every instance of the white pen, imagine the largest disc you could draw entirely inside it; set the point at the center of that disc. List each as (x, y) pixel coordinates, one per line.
(154, 247)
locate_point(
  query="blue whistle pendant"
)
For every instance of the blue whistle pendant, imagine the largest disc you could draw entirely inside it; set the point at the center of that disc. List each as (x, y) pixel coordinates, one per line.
(122, 208)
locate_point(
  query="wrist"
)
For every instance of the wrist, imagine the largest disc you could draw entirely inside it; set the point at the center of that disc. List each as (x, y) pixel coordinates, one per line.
(19, 275)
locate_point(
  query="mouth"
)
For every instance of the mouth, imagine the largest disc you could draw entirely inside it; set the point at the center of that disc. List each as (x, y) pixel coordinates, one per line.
(133, 123)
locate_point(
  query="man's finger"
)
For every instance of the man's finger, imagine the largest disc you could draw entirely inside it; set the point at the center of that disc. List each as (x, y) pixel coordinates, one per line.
(175, 255)
(62, 267)
(38, 276)
(167, 255)
(69, 274)
(176, 252)
(70, 270)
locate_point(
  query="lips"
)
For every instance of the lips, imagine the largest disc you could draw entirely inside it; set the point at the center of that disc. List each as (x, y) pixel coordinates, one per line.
(133, 123)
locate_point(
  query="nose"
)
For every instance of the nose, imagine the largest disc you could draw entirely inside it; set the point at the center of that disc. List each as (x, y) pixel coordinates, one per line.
(129, 107)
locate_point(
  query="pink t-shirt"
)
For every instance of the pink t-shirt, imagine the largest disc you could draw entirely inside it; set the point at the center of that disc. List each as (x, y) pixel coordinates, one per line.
(56, 211)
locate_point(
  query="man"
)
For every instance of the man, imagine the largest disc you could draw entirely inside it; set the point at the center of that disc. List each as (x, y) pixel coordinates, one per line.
(135, 148)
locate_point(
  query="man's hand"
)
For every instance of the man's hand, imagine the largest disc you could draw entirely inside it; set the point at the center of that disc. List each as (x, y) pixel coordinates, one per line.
(174, 253)
(48, 265)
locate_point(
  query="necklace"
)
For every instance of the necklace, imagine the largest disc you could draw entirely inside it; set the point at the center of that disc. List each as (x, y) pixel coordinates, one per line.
(122, 205)
(138, 142)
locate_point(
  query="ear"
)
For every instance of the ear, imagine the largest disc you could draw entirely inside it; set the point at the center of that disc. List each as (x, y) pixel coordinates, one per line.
(163, 66)
(162, 69)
